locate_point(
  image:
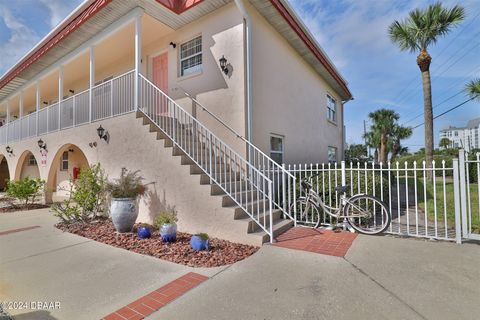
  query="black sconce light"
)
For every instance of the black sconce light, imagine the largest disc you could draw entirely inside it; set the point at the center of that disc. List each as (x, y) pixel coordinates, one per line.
(93, 144)
(71, 91)
(42, 144)
(174, 45)
(9, 150)
(45, 103)
(223, 64)
(102, 134)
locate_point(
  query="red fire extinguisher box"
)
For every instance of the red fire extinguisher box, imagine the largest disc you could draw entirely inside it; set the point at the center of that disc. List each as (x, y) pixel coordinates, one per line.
(76, 172)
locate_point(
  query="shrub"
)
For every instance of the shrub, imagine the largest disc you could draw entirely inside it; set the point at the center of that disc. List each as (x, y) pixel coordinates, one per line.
(202, 236)
(87, 196)
(26, 190)
(165, 218)
(129, 185)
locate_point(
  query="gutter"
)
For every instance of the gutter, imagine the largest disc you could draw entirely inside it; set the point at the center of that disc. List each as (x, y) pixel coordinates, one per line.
(248, 63)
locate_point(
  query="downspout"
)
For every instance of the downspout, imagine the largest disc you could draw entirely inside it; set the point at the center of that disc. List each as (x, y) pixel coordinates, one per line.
(248, 62)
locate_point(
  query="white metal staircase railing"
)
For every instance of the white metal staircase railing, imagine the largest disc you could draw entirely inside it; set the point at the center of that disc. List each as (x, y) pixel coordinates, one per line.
(246, 185)
(283, 181)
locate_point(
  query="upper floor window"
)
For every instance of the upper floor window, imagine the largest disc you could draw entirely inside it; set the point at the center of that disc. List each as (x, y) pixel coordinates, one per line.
(64, 161)
(191, 56)
(276, 148)
(331, 109)
(332, 154)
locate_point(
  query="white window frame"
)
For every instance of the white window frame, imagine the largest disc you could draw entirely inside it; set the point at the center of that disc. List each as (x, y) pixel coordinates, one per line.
(336, 154)
(199, 67)
(281, 152)
(63, 160)
(330, 110)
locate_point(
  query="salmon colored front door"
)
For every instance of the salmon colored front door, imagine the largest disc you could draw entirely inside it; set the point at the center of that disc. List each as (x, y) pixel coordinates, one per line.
(160, 79)
(160, 72)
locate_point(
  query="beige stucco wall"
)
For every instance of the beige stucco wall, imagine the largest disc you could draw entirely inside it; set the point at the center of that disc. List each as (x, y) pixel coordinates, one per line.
(170, 184)
(289, 99)
(222, 35)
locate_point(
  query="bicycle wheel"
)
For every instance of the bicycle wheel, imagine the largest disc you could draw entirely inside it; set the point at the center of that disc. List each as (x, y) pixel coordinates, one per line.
(367, 214)
(306, 215)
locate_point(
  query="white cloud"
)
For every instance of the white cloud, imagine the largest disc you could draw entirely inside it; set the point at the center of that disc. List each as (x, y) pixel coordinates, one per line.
(59, 10)
(20, 41)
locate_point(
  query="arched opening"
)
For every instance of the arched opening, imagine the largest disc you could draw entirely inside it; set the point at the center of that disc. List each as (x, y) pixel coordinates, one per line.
(27, 166)
(66, 164)
(4, 173)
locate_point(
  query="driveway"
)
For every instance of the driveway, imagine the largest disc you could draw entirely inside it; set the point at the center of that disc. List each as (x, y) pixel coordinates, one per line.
(379, 278)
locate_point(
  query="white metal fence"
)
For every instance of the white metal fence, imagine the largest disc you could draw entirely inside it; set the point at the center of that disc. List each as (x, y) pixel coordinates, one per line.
(420, 206)
(111, 98)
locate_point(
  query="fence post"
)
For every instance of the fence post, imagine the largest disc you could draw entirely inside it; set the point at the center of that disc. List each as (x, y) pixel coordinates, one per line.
(456, 194)
(284, 194)
(270, 209)
(344, 179)
(463, 192)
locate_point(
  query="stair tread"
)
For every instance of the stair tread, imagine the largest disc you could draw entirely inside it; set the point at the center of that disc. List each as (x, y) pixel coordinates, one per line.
(277, 225)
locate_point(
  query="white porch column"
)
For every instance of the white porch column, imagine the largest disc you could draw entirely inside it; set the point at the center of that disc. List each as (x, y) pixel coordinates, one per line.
(37, 104)
(92, 81)
(60, 93)
(8, 111)
(20, 109)
(138, 56)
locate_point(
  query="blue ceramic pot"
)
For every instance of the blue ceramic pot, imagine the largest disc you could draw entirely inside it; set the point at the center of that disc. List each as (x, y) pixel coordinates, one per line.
(144, 232)
(168, 232)
(198, 243)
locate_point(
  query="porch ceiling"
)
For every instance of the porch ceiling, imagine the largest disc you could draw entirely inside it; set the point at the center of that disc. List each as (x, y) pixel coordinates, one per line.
(113, 11)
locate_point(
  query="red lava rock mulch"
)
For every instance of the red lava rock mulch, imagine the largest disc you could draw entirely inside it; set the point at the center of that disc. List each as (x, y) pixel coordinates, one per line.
(221, 252)
(22, 207)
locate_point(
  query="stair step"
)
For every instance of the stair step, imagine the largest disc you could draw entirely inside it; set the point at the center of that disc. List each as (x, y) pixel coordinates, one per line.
(254, 208)
(227, 200)
(279, 227)
(252, 226)
(220, 177)
(238, 186)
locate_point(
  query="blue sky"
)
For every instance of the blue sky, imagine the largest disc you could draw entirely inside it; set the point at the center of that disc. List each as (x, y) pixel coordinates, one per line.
(354, 35)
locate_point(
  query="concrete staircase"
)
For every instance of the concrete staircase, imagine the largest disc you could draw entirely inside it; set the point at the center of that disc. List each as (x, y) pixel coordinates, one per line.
(228, 181)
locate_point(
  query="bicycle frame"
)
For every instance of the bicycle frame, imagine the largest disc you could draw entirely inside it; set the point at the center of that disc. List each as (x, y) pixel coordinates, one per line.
(337, 213)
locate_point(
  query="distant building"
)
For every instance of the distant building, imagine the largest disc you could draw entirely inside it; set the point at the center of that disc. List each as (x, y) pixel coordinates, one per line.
(465, 137)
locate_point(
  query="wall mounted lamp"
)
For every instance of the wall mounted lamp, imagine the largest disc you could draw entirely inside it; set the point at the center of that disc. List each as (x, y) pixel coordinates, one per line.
(9, 150)
(174, 45)
(71, 91)
(93, 144)
(223, 64)
(42, 144)
(102, 133)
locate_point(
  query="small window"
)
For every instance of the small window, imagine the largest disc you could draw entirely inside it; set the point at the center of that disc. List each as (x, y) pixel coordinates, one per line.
(331, 109)
(191, 57)
(276, 148)
(64, 161)
(332, 154)
(32, 161)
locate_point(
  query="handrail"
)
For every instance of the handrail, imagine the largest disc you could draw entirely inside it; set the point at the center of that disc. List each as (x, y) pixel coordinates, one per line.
(235, 132)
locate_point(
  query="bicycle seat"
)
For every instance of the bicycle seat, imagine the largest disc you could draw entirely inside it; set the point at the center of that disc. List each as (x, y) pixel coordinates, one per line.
(342, 189)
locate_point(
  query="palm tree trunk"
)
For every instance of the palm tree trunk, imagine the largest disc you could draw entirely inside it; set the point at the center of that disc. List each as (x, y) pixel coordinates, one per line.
(423, 61)
(383, 148)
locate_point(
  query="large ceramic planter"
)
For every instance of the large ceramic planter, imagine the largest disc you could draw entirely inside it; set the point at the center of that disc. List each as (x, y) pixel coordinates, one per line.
(124, 212)
(168, 232)
(144, 232)
(198, 243)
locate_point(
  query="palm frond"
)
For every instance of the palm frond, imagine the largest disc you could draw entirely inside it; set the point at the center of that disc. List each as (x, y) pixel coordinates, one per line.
(473, 88)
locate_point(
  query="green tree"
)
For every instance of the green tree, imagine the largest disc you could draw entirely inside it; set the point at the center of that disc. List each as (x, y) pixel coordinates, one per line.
(473, 89)
(421, 29)
(355, 152)
(384, 121)
(399, 133)
(444, 143)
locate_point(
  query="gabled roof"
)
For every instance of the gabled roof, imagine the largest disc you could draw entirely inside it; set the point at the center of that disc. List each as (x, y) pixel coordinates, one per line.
(300, 39)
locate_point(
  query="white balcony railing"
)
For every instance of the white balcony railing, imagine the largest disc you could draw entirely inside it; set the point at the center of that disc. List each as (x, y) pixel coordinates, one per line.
(111, 98)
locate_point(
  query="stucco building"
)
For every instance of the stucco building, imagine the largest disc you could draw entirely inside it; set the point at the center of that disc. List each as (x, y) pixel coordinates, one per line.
(206, 97)
(463, 137)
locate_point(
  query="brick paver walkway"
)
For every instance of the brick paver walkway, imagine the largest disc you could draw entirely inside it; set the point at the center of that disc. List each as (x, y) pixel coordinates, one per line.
(333, 243)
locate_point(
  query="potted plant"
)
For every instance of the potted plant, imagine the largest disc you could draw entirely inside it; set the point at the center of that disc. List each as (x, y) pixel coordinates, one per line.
(144, 231)
(166, 223)
(199, 242)
(124, 192)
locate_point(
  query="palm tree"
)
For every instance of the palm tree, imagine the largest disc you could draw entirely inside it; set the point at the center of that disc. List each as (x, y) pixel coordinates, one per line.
(373, 141)
(473, 89)
(398, 133)
(383, 124)
(444, 143)
(417, 33)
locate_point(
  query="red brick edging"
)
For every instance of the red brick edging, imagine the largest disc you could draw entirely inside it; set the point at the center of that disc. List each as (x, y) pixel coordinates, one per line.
(153, 301)
(315, 240)
(2, 233)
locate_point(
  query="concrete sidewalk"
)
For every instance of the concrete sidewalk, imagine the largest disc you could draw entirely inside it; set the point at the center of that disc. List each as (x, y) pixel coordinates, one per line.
(380, 278)
(89, 279)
